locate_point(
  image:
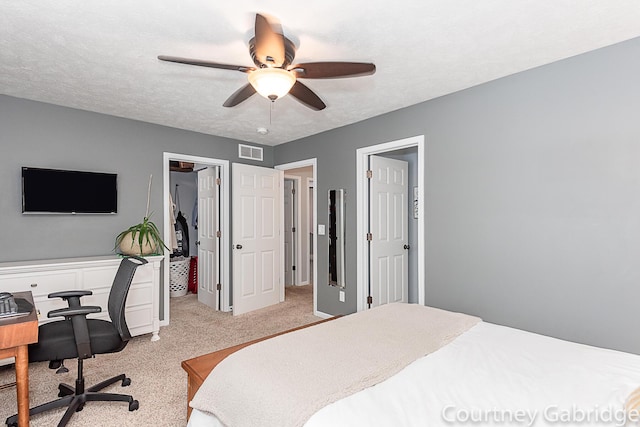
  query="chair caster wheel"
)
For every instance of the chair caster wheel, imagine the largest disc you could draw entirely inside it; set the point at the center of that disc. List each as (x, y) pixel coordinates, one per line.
(133, 405)
(126, 382)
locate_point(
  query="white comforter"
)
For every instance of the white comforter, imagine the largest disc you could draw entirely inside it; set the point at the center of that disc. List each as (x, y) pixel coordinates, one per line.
(493, 375)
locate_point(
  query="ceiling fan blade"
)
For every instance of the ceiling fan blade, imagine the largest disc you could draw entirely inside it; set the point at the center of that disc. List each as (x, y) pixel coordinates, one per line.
(306, 96)
(269, 41)
(331, 70)
(202, 63)
(240, 95)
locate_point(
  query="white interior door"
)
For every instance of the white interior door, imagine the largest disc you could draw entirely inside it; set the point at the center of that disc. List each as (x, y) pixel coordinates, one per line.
(289, 233)
(208, 238)
(389, 189)
(257, 242)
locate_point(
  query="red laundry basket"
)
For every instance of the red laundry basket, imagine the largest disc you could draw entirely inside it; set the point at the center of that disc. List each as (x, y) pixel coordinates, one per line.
(193, 275)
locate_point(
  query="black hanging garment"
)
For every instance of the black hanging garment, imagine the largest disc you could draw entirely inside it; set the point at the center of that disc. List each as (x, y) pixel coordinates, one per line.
(182, 230)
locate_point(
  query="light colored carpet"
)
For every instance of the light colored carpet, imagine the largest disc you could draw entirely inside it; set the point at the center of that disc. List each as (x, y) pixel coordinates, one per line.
(157, 379)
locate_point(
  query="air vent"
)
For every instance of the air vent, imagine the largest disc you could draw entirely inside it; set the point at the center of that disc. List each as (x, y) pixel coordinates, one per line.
(249, 152)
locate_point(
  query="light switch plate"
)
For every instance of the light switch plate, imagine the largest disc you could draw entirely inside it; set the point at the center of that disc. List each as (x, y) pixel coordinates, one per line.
(321, 229)
(341, 296)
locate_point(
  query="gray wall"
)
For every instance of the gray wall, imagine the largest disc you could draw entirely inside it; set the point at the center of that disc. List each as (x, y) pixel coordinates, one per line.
(43, 135)
(532, 195)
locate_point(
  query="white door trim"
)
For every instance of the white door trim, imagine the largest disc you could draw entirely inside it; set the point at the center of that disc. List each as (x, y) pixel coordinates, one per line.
(224, 223)
(300, 164)
(310, 224)
(298, 234)
(362, 203)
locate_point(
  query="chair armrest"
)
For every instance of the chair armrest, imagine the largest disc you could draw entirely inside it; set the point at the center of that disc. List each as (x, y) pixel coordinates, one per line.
(78, 316)
(76, 311)
(69, 294)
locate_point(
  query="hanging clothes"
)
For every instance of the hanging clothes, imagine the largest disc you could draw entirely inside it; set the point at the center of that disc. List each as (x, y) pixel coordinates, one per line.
(182, 230)
(194, 214)
(173, 244)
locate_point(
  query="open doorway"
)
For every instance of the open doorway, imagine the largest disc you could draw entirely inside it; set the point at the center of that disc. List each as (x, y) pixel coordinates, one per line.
(300, 212)
(220, 295)
(409, 151)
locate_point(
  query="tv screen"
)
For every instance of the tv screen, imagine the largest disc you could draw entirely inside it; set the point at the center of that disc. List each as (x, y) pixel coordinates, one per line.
(65, 191)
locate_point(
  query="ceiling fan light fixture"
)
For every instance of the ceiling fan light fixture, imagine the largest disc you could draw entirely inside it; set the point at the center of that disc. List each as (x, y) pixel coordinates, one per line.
(272, 83)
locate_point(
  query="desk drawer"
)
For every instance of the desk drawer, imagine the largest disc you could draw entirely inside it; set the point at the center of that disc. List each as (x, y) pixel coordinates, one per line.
(40, 284)
(99, 277)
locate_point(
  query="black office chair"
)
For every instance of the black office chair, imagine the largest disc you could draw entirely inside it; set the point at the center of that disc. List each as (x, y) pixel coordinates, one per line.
(82, 338)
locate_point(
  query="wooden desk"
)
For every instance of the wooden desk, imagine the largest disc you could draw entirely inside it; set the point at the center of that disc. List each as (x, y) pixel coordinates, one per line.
(199, 367)
(16, 333)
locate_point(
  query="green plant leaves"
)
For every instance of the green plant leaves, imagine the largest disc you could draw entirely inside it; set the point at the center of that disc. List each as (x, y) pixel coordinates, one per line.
(145, 232)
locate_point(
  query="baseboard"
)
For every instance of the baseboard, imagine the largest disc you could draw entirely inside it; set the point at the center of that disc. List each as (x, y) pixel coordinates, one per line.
(322, 315)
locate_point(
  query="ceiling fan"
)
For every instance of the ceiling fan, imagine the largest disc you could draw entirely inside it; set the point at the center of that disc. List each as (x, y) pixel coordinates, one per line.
(274, 76)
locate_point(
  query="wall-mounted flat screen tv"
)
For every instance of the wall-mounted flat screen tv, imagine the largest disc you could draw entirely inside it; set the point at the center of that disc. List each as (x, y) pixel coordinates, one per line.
(68, 192)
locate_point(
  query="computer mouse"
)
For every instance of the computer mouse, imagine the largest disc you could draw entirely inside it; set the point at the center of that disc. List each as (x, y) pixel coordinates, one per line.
(5, 295)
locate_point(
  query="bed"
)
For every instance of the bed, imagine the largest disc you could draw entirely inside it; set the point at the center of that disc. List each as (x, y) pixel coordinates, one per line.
(477, 373)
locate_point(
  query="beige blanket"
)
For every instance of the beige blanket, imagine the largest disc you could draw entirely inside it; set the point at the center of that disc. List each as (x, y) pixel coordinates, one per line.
(283, 381)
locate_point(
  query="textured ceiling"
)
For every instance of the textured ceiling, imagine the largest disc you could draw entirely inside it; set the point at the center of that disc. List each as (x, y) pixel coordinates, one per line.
(100, 55)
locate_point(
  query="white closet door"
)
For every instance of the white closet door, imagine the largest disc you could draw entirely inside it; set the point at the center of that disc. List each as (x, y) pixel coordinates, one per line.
(389, 225)
(208, 240)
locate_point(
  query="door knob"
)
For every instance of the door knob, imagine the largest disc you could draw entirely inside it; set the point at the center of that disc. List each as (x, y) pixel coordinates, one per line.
(407, 247)
(238, 246)
(197, 242)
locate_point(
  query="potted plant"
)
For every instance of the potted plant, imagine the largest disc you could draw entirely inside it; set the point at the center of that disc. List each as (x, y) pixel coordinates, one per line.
(141, 239)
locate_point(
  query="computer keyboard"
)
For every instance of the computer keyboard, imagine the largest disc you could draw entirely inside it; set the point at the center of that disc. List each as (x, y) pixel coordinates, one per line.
(8, 307)
(12, 307)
